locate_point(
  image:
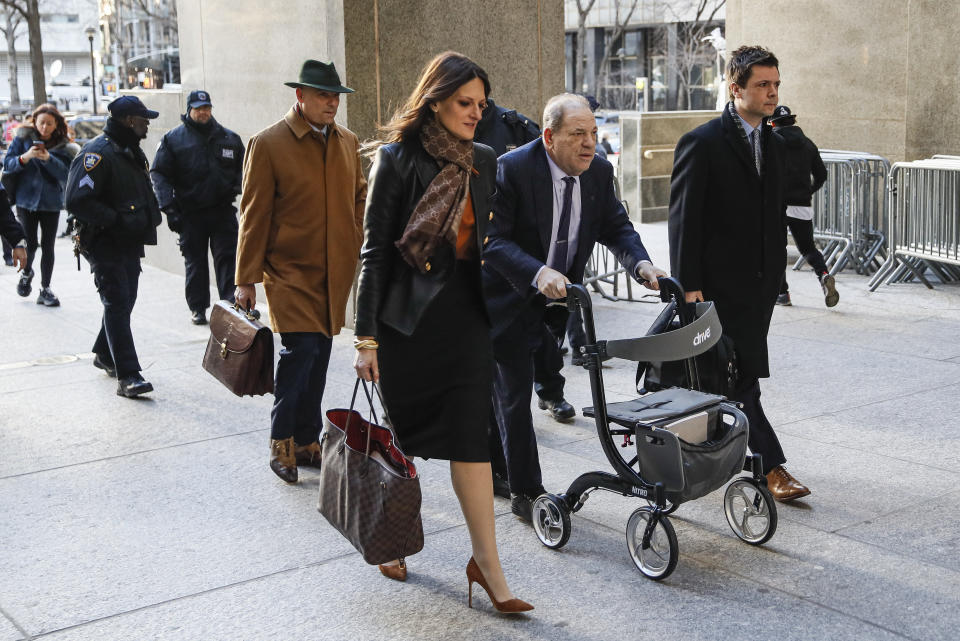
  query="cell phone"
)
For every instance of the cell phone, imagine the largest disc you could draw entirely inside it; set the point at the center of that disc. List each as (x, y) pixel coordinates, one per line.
(39, 143)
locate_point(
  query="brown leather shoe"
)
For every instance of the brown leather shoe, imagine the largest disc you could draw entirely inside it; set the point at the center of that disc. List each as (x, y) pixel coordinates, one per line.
(308, 455)
(783, 486)
(396, 572)
(283, 461)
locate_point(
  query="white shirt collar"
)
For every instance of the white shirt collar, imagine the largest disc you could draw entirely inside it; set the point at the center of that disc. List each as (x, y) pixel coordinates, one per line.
(747, 127)
(555, 172)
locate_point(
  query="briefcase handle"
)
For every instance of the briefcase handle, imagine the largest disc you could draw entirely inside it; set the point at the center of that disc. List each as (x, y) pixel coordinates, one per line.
(251, 314)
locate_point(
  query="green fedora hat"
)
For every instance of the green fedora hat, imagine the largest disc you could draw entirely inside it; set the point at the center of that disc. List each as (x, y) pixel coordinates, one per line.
(320, 76)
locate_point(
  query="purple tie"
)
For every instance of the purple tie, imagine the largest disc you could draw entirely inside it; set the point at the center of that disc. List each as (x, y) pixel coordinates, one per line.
(563, 230)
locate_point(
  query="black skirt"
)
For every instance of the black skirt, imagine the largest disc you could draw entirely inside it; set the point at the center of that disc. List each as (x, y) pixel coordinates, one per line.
(437, 382)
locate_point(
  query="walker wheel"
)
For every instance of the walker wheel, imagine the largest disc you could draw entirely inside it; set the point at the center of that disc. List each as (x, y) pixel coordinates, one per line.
(750, 511)
(659, 559)
(551, 521)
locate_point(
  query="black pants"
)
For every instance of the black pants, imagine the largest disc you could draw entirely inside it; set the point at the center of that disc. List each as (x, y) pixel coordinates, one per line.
(47, 221)
(7, 249)
(763, 440)
(547, 360)
(216, 230)
(298, 387)
(512, 390)
(117, 277)
(802, 232)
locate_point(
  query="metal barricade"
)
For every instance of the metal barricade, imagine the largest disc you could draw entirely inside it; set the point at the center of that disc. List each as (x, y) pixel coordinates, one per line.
(832, 214)
(924, 222)
(850, 211)
(603, 270)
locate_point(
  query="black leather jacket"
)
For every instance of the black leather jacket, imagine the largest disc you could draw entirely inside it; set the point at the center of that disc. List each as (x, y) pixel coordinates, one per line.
(389, 290)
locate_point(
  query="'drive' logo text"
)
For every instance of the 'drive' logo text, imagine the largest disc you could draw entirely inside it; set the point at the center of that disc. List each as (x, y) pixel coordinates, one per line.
(701, 337)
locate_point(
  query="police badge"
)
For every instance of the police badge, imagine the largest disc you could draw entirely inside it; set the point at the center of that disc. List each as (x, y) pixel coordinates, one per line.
(91, 160)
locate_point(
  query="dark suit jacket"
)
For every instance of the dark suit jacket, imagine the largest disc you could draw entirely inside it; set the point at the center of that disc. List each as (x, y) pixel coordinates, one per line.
(520, 230)
(727, 233)
(389, 290)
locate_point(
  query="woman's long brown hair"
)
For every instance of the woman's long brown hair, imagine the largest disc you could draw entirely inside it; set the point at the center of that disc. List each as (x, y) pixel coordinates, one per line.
(59, 134)
(439, 80)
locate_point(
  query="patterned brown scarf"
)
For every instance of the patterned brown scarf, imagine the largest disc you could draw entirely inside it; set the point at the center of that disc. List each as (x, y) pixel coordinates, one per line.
(437, 215)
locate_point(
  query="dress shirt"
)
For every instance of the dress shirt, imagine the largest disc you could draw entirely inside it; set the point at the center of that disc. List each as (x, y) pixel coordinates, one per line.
(556, 176)
(748, 129)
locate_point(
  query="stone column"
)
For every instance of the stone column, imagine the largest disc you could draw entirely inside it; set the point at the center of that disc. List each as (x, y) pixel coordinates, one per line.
(520, 44)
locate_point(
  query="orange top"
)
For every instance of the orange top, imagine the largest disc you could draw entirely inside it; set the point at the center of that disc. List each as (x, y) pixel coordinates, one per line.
(466, 236)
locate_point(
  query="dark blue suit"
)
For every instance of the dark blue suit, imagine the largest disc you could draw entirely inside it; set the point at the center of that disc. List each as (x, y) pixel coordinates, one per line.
(518, 246)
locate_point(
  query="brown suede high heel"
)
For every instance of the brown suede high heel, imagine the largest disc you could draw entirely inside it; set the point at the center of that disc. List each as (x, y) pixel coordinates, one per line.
(396, 572)
(474, 575)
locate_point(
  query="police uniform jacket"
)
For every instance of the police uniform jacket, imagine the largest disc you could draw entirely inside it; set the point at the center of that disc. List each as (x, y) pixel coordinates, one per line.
(727, 230)
(109, 192)
(505, 129)
(198, 167)
(301, 222)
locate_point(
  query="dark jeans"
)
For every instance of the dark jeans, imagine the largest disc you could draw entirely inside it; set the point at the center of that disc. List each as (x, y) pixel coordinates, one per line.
(763, 440)
(298, 387)
(117, 278)
(216, 230)
(7, 249)
(47, 221)
(802, 232)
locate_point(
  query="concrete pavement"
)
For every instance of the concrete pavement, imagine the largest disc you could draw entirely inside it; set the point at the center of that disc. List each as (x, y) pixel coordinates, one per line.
(159, 518)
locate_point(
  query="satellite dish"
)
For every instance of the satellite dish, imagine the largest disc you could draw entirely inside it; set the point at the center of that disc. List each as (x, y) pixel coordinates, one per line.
(55, 68)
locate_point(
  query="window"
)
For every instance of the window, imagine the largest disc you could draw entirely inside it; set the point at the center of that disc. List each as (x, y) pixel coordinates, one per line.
(60, 18)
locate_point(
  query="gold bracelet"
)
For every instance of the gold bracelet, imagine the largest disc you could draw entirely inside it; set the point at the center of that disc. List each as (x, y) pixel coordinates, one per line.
(367, 343)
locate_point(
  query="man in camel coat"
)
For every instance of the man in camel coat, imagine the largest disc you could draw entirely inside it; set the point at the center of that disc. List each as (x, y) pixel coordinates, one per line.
(300, 235)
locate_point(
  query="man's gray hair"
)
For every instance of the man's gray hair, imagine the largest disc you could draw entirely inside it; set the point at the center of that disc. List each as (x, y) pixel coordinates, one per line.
(556, 108)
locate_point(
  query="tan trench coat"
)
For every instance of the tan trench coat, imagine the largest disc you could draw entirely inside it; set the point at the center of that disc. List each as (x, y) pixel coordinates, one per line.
(301, 223)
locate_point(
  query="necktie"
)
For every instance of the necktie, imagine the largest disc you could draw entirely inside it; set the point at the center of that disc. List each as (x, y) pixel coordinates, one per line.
(755, 143)
(563, 229)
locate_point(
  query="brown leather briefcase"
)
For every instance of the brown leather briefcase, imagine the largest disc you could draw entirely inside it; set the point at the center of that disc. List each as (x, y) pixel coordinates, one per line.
(240, 350)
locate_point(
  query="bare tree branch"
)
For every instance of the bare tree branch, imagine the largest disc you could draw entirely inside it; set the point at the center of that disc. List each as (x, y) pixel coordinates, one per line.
(169, 18)
(17, 5)
(580, 67)
(693, 47)
(12, 21)
(618, 29)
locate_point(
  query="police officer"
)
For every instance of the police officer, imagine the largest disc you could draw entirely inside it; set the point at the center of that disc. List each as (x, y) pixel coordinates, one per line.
(110, 197)
(504, 129)
(197, 174)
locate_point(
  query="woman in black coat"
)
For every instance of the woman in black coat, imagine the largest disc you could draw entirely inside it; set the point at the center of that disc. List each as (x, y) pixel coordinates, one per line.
(422, 325)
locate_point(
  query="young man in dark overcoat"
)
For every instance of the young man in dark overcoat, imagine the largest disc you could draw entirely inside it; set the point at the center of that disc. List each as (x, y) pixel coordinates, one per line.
(727, 240)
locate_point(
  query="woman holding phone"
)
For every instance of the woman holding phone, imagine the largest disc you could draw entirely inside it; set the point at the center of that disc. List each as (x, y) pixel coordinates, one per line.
(422, 326)
(38, 160)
